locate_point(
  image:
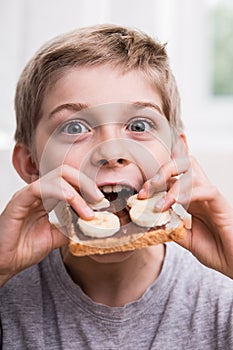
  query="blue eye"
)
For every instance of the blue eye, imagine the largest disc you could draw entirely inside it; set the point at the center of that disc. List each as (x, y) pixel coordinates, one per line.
(140, 125)
(74, 127)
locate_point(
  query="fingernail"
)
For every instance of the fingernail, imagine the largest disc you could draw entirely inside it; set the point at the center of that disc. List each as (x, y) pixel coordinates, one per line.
(142, 193)
(101, 196)
(99, 193)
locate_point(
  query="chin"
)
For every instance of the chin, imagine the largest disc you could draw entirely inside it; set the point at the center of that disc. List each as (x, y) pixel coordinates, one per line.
(111, 258)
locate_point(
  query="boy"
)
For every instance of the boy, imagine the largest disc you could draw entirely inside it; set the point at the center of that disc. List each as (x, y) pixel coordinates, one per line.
(68, 149)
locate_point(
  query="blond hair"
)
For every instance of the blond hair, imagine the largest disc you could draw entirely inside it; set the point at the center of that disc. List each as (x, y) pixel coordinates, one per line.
(120, 47)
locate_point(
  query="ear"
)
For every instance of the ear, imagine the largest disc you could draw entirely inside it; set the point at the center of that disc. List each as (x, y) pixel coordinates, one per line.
(23, 163)
(180, 146)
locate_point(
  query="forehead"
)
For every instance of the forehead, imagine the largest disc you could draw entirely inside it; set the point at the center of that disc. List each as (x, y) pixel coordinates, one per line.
(93, 86)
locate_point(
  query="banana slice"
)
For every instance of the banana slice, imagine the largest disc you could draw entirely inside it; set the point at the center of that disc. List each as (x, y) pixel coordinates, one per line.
(142, 211)
(147, 203)
(104, 203)
(104, 224)
(143, 215)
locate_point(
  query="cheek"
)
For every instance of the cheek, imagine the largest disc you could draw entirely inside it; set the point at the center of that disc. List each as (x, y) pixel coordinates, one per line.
(152, 158)
(51, 155)
(50, 152)
(73, 158)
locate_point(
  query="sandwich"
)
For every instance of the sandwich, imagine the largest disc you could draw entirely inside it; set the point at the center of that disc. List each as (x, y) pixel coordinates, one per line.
(123, 224)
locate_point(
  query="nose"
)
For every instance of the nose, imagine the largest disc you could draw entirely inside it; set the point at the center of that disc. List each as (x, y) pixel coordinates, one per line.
(111, 154)
(112, 150)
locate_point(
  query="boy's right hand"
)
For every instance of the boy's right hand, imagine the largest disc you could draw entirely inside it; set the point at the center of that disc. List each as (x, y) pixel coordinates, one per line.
(26, 235)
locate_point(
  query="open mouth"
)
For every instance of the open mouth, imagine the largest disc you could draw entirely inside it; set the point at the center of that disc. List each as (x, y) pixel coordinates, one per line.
(117, 195)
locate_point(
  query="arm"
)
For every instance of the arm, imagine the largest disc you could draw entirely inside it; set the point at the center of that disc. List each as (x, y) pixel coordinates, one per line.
(26, 235)
(211, 236)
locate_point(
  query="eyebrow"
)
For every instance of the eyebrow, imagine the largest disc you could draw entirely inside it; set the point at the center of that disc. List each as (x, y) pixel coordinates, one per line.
(73, 107)
(144, 104)
(77, 107)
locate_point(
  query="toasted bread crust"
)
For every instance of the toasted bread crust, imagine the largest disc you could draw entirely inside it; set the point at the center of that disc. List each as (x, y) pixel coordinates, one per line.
(152, 237)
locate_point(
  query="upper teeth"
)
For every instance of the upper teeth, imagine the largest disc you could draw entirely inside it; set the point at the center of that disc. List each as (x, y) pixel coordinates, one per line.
(115, 188)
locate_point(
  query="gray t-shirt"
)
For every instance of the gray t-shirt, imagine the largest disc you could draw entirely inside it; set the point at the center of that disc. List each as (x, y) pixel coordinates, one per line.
(188, 307)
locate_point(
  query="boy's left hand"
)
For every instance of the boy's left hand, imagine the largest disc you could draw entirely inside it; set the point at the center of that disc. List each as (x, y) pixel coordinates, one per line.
(211, 238)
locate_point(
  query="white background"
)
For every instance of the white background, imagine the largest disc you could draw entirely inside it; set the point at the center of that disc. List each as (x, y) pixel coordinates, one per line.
(26, 24)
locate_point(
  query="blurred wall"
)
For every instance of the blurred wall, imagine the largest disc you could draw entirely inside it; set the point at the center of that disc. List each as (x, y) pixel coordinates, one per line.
(27, 24)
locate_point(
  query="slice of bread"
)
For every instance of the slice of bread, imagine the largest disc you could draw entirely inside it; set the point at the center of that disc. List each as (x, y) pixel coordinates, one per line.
(129, 237)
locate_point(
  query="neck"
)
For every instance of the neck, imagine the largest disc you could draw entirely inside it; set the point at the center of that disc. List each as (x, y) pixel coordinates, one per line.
(115, 281)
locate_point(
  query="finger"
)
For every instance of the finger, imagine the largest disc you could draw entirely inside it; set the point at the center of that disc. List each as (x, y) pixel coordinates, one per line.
(160, 181)
(23, 201)
(48, 192)
(71, 185)
(80, 182)
(86, 186)
(150, 187)
(180, 191)
(60, 190)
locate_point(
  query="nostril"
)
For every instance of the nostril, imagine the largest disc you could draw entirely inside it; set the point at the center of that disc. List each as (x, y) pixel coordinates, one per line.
(112, 162)
(103, 162)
